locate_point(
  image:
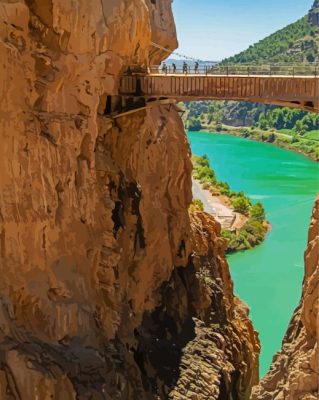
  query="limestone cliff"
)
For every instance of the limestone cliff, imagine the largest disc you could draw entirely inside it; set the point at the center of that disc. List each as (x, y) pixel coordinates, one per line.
(107, 290)
(294, 373)
(221, 362)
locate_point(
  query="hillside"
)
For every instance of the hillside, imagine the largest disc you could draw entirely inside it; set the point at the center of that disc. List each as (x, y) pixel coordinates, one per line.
(296, 43)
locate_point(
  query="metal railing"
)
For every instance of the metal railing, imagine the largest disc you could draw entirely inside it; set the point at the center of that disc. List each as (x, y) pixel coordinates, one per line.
(239, 69)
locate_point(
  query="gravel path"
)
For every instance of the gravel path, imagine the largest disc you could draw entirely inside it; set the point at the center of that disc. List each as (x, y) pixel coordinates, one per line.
(213, 205)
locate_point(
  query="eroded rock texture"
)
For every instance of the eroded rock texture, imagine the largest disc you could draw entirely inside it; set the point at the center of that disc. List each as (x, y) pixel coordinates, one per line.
(294, 373)
(221, 362)
(314, 13)
(107, 290)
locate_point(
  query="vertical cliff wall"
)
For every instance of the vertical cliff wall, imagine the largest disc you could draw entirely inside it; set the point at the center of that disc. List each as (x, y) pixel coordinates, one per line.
(294, 373)
(107, 291)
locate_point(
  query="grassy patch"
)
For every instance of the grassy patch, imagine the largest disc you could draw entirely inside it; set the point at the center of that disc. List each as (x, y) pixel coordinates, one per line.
(286, 131)
(312, 135)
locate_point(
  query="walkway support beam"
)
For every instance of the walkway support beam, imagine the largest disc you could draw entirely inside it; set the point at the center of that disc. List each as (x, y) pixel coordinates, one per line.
(292, 91)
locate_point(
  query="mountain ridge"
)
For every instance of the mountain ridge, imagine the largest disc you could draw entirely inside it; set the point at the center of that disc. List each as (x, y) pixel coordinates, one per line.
(296, 42)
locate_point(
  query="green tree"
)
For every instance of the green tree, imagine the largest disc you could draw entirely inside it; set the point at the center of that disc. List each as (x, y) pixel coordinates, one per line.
(258, 212)
(300, 128)
(202, 161)
(311, 57)
(272, 138)
(194, 124)
(219, 127)
(223, 187)
(262, 122)
(205, 174)
(241, 205)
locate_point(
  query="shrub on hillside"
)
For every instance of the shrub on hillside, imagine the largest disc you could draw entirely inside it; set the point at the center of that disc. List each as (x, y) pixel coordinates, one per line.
(241, 204)
(194, 124)
(219, 127)
(204, 174)
(196, 205)
(224, 188)
(258, 212)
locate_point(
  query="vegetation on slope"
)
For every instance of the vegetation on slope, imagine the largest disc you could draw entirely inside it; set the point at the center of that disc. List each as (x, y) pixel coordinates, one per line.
(292, 129)
(205, 112)
(254, 230)
(296, 43)
(285, 127)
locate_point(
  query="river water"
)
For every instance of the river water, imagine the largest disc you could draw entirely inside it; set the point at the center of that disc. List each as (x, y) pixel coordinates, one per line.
(269, 277)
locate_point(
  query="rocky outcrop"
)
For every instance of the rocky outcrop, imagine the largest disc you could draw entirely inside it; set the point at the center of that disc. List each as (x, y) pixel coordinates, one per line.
(313, 15)
(221, 362)
(164, 33)
(199, 343)
(294, 373)
(101, 294)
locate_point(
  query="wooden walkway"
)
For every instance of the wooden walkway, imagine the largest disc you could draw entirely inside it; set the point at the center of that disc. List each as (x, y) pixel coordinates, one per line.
(292, 91)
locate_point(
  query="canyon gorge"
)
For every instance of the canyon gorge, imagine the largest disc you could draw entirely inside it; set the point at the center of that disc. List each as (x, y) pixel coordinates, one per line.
(294, 372)
(109, 288)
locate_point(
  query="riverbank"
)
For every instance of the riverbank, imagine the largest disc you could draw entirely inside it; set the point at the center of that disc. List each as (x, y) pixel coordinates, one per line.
(269, 277)
(219, 207)
(243, 223)
(298, 144)
(285, 128)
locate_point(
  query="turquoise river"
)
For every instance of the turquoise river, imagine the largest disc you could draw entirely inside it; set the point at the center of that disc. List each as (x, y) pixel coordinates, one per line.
(269, 277)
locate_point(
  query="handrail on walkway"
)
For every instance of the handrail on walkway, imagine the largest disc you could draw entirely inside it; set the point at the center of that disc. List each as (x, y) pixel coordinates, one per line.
(234, 69)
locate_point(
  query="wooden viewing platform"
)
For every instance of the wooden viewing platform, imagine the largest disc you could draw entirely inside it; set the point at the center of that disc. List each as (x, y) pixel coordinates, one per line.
(299, 91)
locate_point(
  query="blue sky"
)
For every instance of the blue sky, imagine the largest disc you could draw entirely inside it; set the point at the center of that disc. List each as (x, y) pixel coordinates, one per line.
(214, 29)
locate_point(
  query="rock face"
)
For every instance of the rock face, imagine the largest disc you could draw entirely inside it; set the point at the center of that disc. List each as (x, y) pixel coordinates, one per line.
(294, 373)
(107, 290)
(314, 13)
(221, 362)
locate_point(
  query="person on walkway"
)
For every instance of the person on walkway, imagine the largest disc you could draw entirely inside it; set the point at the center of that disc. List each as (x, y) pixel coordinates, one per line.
(196, 66)
(185, 67)
(174, 68)
(164, 68)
